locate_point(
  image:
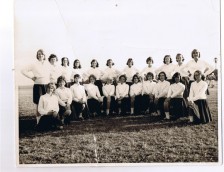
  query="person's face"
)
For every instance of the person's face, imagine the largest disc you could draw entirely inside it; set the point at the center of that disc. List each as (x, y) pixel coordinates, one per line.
(162, 77)
(122, 80)
(130, 63)
(149, 77)
(167, 60)
(65, 62)
(53, 60)
(91, 80)
(76, 79)
(196, 55)
(177, 79)
(40, 56)
(94, 63)
(149, 62)
(110, 62)
(77, 63)
(50, 89)
(179, 59)
(61, 83)
(109, 81)
(135, 80)
(197, 76)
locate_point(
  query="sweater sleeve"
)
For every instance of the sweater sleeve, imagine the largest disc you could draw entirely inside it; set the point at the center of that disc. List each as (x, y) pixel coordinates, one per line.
(41, 109)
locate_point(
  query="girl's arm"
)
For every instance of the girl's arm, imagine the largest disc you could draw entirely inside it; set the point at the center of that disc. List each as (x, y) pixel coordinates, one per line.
(41, 109)
(105, 92)
(201, 93)
(178, 92)
(27, 72)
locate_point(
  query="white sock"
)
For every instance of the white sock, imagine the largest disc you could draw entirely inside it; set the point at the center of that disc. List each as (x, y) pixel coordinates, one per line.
(167, 115)
(107, 111)
(80, 115)
(132, 110)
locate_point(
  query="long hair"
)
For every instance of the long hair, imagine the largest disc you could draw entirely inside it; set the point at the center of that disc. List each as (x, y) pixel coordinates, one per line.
(64, 59)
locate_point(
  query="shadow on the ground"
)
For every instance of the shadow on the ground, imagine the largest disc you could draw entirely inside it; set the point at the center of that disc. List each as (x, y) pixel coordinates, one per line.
(104, 124)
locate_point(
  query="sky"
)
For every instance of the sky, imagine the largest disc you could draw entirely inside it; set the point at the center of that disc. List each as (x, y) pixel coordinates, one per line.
(116, 29)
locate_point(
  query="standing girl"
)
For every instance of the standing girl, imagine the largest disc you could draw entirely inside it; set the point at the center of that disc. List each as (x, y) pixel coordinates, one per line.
(66, 71)
(55, 70)
(39, 73)
(97, 73)
(136, 95)
(198, 107)
(149, 68)
(130, 71)
(77, 69)
(65, 99)
(111, 72)
(167, 67)
(148, 94)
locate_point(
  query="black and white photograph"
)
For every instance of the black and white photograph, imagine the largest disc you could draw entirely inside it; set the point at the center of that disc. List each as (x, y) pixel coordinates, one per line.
(117, 82)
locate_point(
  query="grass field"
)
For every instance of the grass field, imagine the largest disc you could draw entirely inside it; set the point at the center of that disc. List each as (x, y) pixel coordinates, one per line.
(131, 139)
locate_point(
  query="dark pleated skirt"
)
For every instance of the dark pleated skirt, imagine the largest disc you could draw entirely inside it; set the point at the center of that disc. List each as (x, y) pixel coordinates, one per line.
(38, 90)
(204, 112)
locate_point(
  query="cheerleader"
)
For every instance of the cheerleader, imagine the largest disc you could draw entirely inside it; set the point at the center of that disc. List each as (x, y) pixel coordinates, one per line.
(55, 70)
(148, 94)
(94, 100)
(110, 71)
(122, 96)
(109, 103)
(48, 109)
(175, 98)
(97, 73)
(136, 95)
(40, 74)
(161, 91)
(167, 67)
(65, 99)
(130, 71)
(66, 71)
(149, 68)
(79, 100)
(198, 107)
(196, 64)
(77, 69)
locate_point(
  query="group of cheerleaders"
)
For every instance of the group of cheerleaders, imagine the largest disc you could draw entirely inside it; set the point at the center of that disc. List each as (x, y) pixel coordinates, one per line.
(171, 91)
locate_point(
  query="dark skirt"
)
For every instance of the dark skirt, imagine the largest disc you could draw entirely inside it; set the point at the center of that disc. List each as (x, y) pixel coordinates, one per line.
(38, 90)
(48, 122)
(125, 105)
(176, 108)
(160, 106)
(62, 110)
(148, 103)
(94, 106)
(113, 106)
(99, 84)
(204, 115)
(137, 104)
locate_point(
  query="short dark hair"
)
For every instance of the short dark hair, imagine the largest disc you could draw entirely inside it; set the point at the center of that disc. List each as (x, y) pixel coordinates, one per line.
(92, 76)
(149, 59)
(200, 73)
(61, 78)
(94, 60)
(52, 56)
(199, 54)
(135, 76)
(181, 56)
(63, 60)
(42, 52)
(130, 60)
(177, 74)
(108, 62)
(164, 75)
(165, 58)
(149, 74)
(124, 76)
(76, 76)
(75, 61)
